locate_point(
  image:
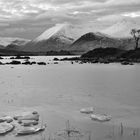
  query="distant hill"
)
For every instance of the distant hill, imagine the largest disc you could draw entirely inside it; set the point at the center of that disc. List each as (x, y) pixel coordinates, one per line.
(111, 55)
(121, 29)
(4, 41)
(1, 47)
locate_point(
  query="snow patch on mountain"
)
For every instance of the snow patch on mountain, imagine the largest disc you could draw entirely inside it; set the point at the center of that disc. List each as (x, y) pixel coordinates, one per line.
(50, 32)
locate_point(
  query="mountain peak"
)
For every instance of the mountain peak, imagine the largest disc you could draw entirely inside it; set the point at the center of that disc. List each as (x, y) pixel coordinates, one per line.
(57, 38)
(52, 31)
(93, 36)
(66, 30)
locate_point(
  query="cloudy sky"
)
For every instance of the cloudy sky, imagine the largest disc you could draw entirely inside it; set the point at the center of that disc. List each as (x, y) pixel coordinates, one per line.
(29, 18)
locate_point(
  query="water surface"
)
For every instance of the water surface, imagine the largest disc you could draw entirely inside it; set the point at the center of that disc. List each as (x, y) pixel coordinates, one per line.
(59, 91)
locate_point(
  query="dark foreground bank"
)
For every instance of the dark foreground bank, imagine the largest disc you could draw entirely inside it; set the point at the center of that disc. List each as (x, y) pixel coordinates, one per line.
(108, 55)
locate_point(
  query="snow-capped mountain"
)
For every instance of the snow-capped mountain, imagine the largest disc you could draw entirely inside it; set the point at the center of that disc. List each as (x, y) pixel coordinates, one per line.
(57, 38)
(59, 31)
(80, 38)
(121, 29)
(64, 30)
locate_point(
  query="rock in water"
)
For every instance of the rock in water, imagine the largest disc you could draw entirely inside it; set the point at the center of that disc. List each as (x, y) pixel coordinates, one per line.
(28, 122)
(28, 116)
(6, 128)
(7, 119)
(101, 118)
(87, 110)
(30, 130)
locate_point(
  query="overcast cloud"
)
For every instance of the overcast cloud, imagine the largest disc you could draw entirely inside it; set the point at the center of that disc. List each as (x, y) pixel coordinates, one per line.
(28, 18)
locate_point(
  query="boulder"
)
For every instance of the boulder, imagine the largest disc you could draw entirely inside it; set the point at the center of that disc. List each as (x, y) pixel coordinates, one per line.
(28, 122)
(100, 118)
(41, 63)
(30, 130)
(88, 110)
(6, 128)
(28, 116)
(7, 119)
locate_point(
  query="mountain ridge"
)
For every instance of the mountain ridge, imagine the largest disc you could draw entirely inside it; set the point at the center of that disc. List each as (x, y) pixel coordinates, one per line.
(77, 38)
(121, 29)
(4, 41)
(92, 41)
(57, 38)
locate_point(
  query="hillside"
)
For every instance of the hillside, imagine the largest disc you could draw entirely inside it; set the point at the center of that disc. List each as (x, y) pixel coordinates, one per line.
(108, 55)
(57, 38)
(91, 41)
(103, 53)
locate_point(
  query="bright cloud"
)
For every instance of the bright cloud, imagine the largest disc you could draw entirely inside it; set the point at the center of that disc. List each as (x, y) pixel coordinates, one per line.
(132, 15)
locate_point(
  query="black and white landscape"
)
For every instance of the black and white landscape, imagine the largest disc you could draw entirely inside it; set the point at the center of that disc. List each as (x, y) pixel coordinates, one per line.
(75, 39)
(69, 70)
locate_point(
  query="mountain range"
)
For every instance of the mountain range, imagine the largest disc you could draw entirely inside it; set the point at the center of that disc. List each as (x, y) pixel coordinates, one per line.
(75, 38)
(4, 41)
(57, 38)
(92, 41)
